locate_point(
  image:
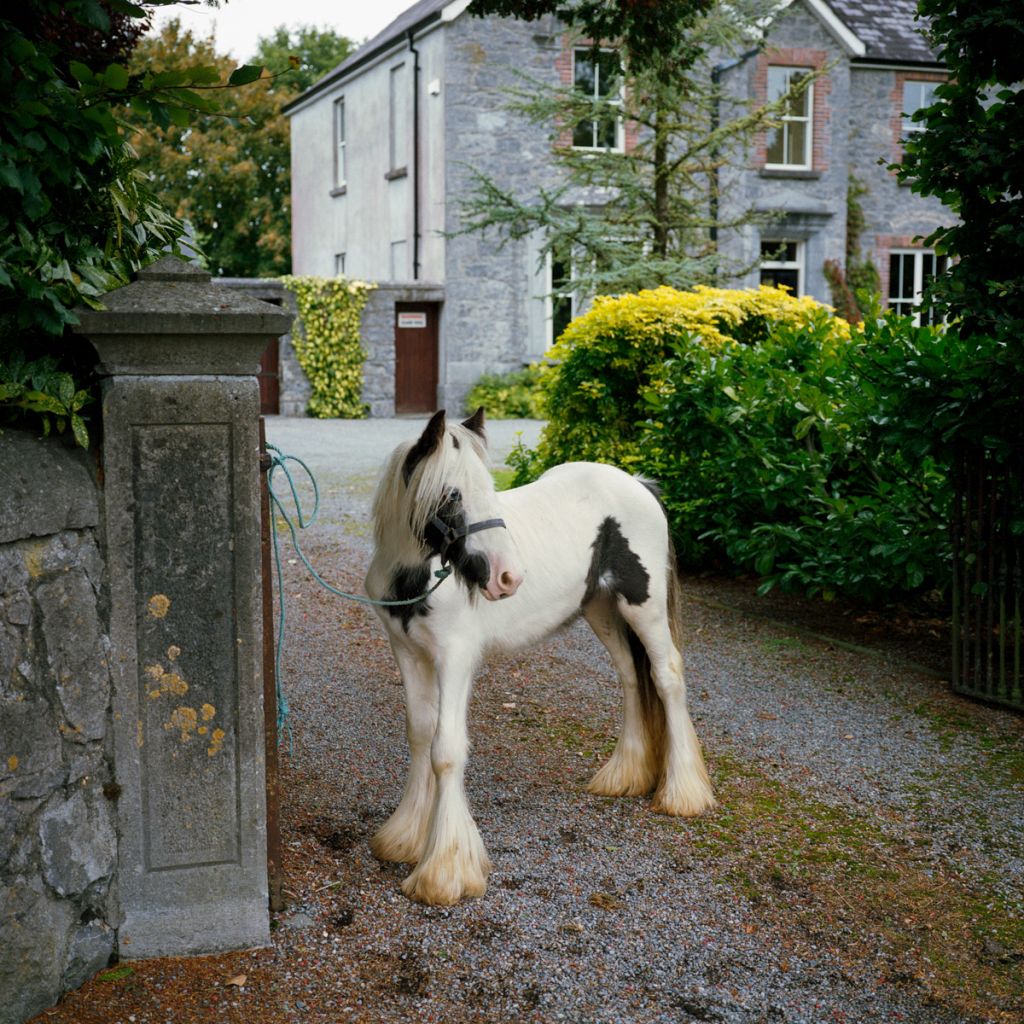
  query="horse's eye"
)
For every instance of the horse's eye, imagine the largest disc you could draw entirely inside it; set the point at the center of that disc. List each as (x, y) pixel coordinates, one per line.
(455, 496)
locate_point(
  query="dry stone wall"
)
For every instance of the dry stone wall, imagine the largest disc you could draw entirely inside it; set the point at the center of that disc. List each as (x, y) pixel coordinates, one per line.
(58, 845)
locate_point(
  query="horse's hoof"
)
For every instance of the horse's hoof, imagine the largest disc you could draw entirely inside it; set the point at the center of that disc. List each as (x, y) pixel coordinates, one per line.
(683, 804)
(424, 890)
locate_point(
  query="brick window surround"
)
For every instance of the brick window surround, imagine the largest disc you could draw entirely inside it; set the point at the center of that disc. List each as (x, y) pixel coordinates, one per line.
(896, 104)
(563, 65)
(820, 111)
(884, 245)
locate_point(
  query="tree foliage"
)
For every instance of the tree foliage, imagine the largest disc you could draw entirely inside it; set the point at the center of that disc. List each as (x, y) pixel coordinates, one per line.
(76, 217)
(229, 176)
(971, 156)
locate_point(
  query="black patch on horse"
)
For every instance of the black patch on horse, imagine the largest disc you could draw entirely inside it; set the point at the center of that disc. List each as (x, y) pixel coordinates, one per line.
(408, 581)
(472, 569)
(615, 566)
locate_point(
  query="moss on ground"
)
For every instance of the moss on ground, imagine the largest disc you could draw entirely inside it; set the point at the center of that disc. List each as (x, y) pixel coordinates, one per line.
(842, 879)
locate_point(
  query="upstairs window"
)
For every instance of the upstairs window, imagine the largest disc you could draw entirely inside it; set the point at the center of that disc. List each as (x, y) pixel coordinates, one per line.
(782, 265)
(910, 272)
(789, 146)
(398, 122)
(339, 143)
(915, 96)
(598, 77)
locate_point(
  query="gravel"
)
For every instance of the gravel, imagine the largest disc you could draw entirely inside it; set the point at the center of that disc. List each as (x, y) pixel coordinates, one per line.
(598, 911)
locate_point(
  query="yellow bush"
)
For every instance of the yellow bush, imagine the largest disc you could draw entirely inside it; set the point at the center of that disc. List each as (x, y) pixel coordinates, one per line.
(606, 358)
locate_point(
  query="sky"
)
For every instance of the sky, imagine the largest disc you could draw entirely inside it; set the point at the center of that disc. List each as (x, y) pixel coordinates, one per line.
(237, 24)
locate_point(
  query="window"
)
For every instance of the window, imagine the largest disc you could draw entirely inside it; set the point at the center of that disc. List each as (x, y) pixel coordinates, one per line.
(910, 272)
(782, 264)
(339, 143)
(598, 77)
(398, 123)
(915, 96)
(339, 264)
(562, 300)
(398, 267)
(790, 144)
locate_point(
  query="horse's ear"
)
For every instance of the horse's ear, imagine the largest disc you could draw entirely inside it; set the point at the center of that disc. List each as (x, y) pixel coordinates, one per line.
(476, 422)
(431, 437)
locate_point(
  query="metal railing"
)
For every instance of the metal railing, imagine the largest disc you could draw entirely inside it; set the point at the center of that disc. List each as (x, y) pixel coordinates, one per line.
(988, 575)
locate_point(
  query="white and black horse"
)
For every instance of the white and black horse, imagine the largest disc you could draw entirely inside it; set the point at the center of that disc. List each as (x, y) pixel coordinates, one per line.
(584, 538)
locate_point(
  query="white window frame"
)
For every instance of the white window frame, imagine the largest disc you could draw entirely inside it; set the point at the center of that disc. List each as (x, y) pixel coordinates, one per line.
(554, 294)
(398, 126)
(340, 180)
(788, 119)
(925, 98)
(799, 264)
(911, 300)
(339, 264)
(617, 101)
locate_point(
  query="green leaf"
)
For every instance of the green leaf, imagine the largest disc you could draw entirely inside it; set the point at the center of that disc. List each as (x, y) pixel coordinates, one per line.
(116, 77)
(205, 74)
(245, 74)
(78, 428)
(81, 72)
(65, 389)
(38, 401)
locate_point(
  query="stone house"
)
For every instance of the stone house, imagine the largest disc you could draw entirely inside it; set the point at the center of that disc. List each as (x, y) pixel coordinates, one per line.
(385, 145)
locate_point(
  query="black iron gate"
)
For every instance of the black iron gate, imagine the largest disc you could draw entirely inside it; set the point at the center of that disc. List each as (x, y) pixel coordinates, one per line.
(988, 575)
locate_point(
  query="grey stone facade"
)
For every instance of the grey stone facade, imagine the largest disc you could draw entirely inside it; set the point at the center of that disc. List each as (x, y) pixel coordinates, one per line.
(492, 290)
(58, 846)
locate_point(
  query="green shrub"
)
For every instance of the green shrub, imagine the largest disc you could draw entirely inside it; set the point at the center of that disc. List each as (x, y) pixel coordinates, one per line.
(326, 339)
(508, 396)
(782, 459)
(39, 389)
(606, 359)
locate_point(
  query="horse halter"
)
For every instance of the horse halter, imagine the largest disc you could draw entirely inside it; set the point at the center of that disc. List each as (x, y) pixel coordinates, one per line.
(451, 534)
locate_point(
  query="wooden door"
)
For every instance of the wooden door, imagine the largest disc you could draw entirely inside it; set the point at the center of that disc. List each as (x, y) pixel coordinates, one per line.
(270, 379)
(416, 356)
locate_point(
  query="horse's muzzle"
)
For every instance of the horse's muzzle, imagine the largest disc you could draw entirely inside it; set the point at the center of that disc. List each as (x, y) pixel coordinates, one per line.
(503, 582)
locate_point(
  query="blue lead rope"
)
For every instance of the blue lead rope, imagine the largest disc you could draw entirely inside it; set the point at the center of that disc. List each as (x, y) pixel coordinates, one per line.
(278, 460)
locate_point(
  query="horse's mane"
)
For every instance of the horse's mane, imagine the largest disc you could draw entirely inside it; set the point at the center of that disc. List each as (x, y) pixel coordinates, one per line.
(402, 510)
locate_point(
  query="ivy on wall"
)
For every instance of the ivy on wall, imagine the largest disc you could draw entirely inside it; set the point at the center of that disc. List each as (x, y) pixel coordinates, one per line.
(326, 340)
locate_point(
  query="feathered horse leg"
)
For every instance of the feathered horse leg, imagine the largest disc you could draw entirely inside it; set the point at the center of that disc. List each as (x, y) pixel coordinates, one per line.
(402, 837)
(635, 764)
(453, 862)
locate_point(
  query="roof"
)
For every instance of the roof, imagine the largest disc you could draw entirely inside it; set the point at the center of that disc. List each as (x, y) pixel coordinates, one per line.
(414, 18)
(886, 28)
(889, 30)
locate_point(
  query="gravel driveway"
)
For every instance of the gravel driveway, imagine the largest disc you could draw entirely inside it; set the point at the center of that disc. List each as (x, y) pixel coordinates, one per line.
(865, 864)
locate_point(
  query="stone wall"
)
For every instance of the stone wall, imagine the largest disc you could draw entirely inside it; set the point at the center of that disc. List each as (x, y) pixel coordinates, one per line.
(58, 844)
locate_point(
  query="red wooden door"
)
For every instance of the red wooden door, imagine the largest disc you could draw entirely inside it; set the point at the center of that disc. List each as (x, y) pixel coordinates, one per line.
(416, 356)
(270, 379)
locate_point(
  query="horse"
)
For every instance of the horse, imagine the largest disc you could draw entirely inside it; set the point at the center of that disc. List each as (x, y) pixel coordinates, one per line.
(585, 538)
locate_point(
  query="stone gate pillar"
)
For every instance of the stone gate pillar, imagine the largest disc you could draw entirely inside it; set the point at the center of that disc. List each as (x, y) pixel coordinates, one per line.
(182, 521)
